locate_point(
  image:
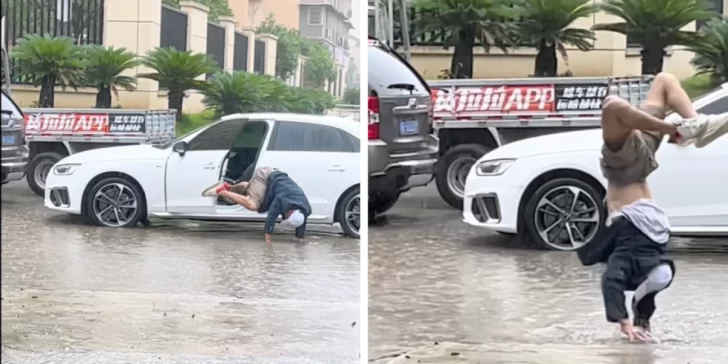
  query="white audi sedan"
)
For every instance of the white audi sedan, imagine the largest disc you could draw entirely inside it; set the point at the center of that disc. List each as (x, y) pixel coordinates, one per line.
(551, 190)
(122, 186)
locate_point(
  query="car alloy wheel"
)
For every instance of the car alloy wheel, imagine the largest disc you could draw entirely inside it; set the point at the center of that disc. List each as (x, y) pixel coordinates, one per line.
(352, 213)
(115, 205)
(567, 217)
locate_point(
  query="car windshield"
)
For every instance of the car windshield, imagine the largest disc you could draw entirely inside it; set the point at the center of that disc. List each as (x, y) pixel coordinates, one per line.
(171, 143)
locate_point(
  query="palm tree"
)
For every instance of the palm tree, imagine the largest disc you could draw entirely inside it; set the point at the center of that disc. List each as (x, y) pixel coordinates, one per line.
(238, 92)
(242, 92)
(467, 23)
(177, 72)
(546, 26)
(711, 51)
(104, 72)
(48, 61)
(655, 25)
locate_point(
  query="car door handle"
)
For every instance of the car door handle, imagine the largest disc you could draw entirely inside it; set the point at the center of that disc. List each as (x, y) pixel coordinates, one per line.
(336, 168)
(210, 166)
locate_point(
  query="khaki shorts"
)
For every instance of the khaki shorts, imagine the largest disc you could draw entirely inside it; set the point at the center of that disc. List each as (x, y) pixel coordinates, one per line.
(256, 186)
(636, 160)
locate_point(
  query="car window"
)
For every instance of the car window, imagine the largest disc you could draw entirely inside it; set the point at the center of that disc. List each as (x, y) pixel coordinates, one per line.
(9, 104)
(718, 106)
(387, 69)
(219, 136)
(252, 135)
(305, 137)
(372, 24)
(351, 140)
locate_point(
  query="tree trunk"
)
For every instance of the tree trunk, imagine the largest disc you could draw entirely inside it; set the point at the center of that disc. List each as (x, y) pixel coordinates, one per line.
(47, 95)
(103, 98)
(174, 102)
(546, 61)
(652, 60)
(462, 59)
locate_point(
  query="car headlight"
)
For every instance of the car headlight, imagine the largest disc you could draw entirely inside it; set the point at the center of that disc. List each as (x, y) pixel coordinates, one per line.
(494, 167)
(65, 169)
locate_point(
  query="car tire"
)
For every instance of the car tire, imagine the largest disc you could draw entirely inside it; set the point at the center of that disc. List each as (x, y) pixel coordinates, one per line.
(382, 203)
(348, 213)
(35, 177)
(457, 157)
(557, 191)
(109, 185)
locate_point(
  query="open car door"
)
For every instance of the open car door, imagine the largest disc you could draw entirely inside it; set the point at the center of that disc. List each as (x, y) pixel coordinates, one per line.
(195, 164)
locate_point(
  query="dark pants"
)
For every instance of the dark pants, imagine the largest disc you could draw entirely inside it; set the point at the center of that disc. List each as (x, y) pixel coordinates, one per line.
(630, 256)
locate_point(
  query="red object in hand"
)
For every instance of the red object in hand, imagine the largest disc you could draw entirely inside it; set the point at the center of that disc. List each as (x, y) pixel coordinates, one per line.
(224, 187)
(674, 138)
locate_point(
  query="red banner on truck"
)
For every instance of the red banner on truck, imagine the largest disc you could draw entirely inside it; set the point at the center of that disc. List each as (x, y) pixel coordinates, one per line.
(85, 123)
(494, 99)
(67, 123)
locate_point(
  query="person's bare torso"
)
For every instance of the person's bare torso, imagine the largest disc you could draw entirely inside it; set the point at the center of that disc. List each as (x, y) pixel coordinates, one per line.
(626, 168)
(620, 196)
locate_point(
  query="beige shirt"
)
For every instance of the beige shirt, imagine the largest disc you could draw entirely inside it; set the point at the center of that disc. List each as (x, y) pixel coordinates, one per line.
(257, 185)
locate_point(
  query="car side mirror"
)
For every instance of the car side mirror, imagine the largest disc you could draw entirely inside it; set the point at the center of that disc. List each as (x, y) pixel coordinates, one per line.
(180, 147)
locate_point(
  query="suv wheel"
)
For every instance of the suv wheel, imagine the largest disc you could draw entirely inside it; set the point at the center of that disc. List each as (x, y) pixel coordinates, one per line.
(381, 203)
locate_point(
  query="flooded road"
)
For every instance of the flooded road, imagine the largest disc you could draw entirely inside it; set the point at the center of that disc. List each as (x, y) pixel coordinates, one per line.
(443, 292)
(177, 292)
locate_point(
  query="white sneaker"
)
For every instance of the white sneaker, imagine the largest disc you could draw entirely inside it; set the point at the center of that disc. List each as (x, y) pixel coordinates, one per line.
(702, 130)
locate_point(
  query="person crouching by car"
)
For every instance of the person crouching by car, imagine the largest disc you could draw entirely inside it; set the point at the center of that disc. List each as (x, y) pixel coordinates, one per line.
(283, 197)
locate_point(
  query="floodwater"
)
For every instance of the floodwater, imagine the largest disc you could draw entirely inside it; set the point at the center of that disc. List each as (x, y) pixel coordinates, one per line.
(441, 291)
(179, 292)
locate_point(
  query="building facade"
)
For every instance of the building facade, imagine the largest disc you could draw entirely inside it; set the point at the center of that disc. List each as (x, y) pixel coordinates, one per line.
(250, 13)
(330, 22)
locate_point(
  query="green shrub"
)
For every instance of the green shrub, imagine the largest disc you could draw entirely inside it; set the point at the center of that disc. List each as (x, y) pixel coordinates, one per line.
(697, 85)
(190, 122)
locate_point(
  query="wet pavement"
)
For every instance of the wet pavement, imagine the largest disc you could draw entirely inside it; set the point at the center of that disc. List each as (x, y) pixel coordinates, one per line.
(180, 292)
(441, 291)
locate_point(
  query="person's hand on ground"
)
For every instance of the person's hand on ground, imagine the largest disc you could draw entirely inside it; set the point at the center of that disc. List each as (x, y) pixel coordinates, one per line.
(632, 333)
(268, 238)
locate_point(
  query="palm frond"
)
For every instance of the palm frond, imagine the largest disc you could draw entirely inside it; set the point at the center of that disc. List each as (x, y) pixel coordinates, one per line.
(711, 50)
(177, 70)
(655, 23)
(42, 57)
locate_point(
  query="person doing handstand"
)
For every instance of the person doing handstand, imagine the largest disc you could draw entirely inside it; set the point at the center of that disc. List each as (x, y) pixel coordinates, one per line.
(633, 243)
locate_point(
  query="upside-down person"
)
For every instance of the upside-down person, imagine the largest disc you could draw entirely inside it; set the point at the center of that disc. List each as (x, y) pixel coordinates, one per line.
(633, 244)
